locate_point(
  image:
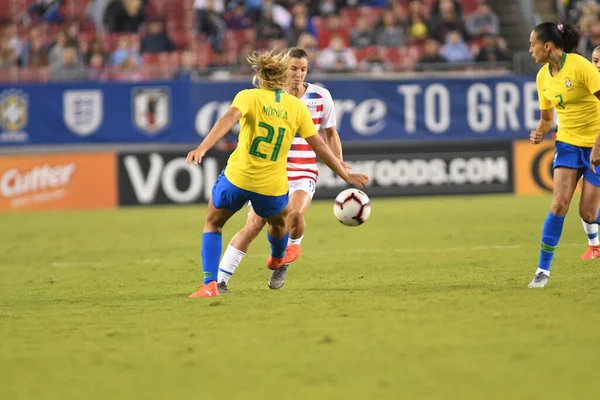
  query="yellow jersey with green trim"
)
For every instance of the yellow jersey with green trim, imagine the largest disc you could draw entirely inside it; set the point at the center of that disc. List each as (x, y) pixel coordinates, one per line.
(571, 93)
(270, 120)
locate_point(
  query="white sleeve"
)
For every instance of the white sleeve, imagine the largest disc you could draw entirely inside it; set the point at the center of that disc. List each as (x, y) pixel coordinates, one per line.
(328, 119)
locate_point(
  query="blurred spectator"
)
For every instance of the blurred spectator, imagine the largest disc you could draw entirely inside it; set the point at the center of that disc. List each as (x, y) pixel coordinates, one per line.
(417, 20)
(95, 11)
(211, 23)
(267, 28)
(203, 7)
(35, 53)
(298, 28)
(97, 70)
(436, 8)
(447, 21)
(156, 40)
(238, 20)
(95, 47)
(8, 56)
(492, 50)
(253, 8)
(376, 62)
(69, 68)
(431, 56)
(300, 9)
(73, 32)
(129, 70)
(126, 47)
(331, 27)
(13, 39)
(188, 70)
(280, 15)
(587, 16)
(483, 20)
(55, 54)
(390, 33)
(455, 49)
(309, 43)
(362, 36)
(589, 41)
(46, 10)
(277, 45)
(337, 57)
(324, 8)
(124, 16)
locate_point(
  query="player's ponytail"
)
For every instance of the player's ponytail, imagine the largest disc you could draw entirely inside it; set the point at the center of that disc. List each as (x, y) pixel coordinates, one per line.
(271, 68)
(564, 36)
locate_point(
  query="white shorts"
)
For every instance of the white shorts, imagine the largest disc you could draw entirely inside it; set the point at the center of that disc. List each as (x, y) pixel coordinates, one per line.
(306, 185)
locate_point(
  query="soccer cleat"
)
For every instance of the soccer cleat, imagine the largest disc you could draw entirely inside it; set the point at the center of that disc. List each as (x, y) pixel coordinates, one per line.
(591, 253)
(208, 290)
(540, 280)
(278, 277)
(292, 252)
(222, 287)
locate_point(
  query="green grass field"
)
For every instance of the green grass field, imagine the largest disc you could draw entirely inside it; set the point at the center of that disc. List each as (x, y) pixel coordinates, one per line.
(427, 300)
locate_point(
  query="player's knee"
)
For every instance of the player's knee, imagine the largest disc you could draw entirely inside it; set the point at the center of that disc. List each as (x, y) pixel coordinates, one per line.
(589, 216)
(294, 217)
(560, 206)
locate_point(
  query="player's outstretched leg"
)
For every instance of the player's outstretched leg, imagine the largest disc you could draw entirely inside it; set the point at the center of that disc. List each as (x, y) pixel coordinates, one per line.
(593, 250)
(278, 236)
(237, 249)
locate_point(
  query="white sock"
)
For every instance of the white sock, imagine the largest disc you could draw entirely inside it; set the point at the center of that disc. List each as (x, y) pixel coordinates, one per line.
(546, 272)
(295, 241)
(230, 261)
(592, 233)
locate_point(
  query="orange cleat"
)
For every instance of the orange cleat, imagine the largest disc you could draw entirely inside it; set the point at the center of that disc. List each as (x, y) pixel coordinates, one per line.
(292, 253)
(591, 252)
(209, 290)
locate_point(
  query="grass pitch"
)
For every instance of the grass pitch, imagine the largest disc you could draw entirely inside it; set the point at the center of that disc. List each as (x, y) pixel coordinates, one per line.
(427, 300)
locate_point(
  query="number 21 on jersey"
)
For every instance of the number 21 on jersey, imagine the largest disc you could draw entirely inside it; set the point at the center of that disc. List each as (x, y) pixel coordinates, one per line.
(268, 139)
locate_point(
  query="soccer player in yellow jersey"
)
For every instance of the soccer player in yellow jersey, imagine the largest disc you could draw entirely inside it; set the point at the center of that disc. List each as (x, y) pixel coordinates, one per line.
(570, 84)
(256, 170)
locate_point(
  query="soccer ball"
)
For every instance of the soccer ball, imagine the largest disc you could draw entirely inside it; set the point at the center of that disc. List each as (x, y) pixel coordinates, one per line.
(352, 207)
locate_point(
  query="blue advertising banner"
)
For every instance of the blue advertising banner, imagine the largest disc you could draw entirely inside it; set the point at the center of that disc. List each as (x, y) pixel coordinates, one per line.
(183, 112)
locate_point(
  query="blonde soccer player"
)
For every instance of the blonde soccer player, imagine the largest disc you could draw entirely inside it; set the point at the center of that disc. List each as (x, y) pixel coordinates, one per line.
(256, 170)
(569, 84)
(302, 173)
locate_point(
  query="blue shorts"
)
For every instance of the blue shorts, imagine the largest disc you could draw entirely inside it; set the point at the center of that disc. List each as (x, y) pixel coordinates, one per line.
(226, 195)
(575, 157)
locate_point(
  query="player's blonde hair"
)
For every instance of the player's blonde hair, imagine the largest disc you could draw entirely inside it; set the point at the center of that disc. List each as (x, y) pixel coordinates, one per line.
(271, 68)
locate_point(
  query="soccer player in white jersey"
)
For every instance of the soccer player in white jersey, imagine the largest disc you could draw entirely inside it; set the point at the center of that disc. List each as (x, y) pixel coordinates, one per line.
(302, 173)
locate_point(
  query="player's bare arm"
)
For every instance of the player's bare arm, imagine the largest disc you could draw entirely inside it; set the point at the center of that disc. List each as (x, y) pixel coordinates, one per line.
(220, 129)
(327, 156)
(546, 123)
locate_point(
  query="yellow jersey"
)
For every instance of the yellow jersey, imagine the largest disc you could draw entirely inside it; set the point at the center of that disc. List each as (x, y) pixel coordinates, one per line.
(571, 93)
(270, 120)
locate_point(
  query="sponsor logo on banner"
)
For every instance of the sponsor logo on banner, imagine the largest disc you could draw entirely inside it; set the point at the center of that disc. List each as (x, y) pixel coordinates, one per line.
(83, 111)
(14, 114)
(426, 170)
(533, 166)
(58, 182)
(152, 109)
(165, 178)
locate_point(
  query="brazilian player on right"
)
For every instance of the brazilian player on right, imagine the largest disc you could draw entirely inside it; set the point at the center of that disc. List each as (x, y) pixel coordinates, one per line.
(570, 84)
(591, 230)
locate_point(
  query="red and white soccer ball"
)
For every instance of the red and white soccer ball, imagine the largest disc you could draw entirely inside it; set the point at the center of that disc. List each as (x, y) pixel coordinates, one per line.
(352, 207)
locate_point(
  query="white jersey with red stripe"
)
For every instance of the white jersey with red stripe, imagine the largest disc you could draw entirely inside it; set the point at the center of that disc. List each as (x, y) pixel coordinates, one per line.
(302, 160)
